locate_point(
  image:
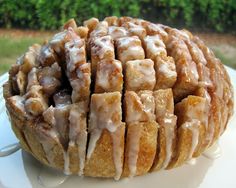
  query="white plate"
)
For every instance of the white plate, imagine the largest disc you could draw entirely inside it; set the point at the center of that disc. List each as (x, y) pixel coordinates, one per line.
(20, 170)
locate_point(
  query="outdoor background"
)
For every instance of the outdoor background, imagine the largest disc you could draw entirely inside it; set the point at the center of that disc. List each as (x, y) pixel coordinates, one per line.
(24, 22)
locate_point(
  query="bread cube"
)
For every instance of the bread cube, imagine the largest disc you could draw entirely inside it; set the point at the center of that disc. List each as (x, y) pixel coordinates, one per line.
(139, 107)
(135, 30)
(165, 72)
(117, 32)
(75, 54)
(164, 102)
(21, 82)
(70, 23)
(129, 48)
(111, 20)
(192, 107)
(100, 105)
(91, 23)
(109, 76)
(29, 58)
(100, 30)
(47, 56)
(32, 78)
(17, 105)
(49, 78)
(82, 32)
(81, 84)
(57, 43)
(187, 79)
(101, 48)
(122, 20)
(36, 102)
(77, 119)
(155, 29)
(140, 75)
(154, 46)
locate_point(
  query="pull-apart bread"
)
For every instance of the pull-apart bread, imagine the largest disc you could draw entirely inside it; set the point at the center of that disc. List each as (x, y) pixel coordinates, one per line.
(118, 98)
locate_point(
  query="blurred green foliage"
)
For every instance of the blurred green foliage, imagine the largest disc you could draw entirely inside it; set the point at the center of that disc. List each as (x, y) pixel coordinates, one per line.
(12, 47)
(219, 15)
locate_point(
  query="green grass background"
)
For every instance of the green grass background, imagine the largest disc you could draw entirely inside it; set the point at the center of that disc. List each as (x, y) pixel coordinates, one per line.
(11, 48)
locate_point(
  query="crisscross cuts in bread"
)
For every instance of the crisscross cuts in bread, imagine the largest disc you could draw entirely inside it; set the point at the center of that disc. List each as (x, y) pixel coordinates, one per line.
(119, 97)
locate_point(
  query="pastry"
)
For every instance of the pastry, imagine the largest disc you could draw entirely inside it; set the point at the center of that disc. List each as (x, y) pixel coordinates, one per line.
(118, 98)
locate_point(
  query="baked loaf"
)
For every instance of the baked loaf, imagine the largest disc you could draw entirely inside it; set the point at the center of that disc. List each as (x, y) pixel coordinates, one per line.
(118, 98)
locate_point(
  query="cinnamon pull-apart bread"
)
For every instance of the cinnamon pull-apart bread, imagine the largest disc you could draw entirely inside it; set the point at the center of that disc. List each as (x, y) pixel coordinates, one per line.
(118, 98)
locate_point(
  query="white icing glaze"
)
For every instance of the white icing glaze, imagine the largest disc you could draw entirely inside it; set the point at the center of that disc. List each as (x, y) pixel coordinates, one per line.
(66, 163)
(213, 152)
(102, 45)
(32, 78)
(18, 102)
(77, 120)
(102, 113)
(77, 131)
(133, 146)
(75, 51)
(47, 80)
(47, 52)
(181, 34)
(191, 161)
(146, 71)
(183, 59)
(100, 30)
(148, 104)
(198, 111)
(94, 137)
(48, 116)
(56, 41)
(133, 114)
(193, 125)
(58, 37)
(167, 69)
(101, 116)
(131, 52)
(117, 32)
(157, 28)
(125, 42)
(154, 45)
(61, 114)
(104, 78)
(62, 99)
(169, 124)
(136, 29)
(117, 153)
